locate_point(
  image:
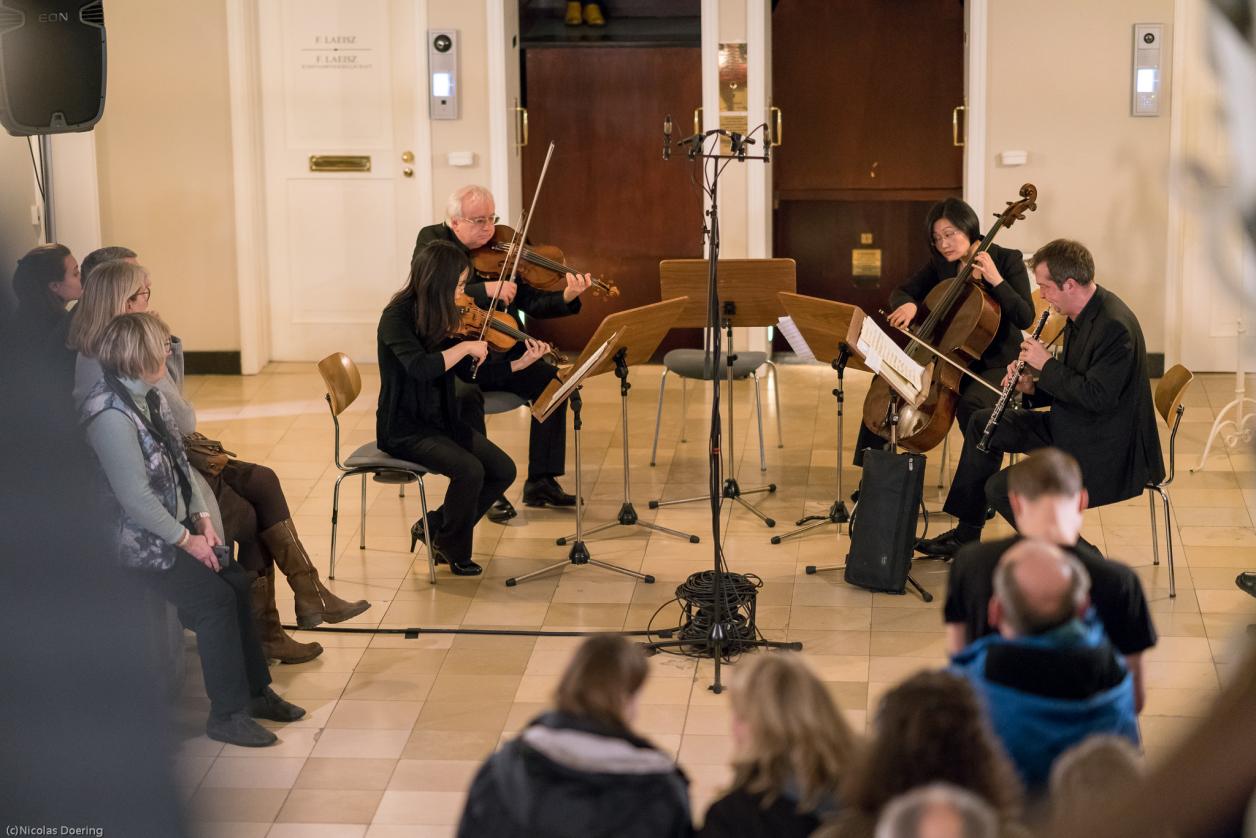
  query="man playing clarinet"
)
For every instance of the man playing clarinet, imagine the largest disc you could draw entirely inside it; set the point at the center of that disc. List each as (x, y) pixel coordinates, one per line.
(1099, 395)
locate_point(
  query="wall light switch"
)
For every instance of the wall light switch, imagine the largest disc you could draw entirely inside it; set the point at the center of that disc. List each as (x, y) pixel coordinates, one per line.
(1013, 158)
(460, 158)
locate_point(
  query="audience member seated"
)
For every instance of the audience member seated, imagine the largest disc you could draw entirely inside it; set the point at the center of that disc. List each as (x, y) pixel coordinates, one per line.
(928, 729)
(45, 281)
(793, 748)
(1047, 498)
(254, 510)
(165, 536)
(1050, 677)
(105, 254)
(1098, 769)
(938, 810)
(580, 770)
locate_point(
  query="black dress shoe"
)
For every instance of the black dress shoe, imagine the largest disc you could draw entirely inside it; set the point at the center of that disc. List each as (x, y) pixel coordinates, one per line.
(501, 511)
(239, 729)
(1246, 583)
(944, 546)
(545, 491)
(467, 568)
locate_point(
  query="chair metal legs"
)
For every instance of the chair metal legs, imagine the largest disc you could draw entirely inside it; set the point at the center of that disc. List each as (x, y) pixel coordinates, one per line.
(758, 412)
(362, 518)
(776, 396)
(1155, 536)
(431, 556)
(1168, 535)
(335, 516)
(658, 417)
(335, 519)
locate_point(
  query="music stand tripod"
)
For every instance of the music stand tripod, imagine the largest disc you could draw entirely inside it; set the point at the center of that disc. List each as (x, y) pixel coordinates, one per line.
(570, 390)
(639, 330)
(748, 291)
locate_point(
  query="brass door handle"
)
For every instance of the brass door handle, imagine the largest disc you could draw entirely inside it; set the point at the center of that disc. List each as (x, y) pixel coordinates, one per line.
(955, 140)
(521, 126)
(407, 172)
(697, 120)
(777, 126)
(407, 157)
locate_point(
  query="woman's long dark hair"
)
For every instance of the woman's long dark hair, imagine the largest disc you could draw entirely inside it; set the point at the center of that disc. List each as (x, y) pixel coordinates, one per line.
(37, 270)
(430, 288)
(959, 214)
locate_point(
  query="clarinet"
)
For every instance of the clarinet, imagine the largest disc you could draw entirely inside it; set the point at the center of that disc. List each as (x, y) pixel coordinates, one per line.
(1006, 396)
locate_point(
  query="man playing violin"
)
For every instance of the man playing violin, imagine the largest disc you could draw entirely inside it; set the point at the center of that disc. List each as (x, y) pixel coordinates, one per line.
(471, 223)
(1099, 393)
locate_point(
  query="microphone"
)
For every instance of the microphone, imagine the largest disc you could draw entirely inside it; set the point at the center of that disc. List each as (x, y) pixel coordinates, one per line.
(667, 137)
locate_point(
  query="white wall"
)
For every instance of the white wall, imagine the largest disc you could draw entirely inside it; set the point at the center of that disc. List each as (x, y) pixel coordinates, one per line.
(17, 197)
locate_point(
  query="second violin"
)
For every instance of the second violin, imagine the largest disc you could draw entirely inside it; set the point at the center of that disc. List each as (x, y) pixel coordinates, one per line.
(544, 267)
(503, 331)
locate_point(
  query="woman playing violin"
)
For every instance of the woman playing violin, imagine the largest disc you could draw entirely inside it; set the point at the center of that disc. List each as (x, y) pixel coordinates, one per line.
(418, 418)
(471, 219)
(954, 235)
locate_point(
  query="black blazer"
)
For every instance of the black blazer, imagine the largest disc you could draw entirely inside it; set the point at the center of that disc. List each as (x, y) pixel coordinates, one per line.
(1100, 397)
(416, 392)
(534, 303)
(1012, 295)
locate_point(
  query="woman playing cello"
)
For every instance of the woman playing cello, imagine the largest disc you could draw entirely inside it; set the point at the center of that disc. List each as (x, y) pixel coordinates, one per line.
(954, 236)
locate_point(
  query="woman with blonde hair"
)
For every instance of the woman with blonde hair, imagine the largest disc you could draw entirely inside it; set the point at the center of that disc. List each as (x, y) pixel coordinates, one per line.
(579, 770)
(254, 511)
(164, 535)
(793, 748)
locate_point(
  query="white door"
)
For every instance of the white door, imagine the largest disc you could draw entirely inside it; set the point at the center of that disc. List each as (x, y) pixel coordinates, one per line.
(507, 115)
(345, 131)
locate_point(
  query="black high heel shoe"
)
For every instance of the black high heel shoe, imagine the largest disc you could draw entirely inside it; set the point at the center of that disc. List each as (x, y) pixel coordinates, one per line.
(417, 534)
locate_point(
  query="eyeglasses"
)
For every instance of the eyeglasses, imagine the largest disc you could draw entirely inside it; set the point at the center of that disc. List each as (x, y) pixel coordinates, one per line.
(945, 237)
(169, 346)
(483, 220)
(145, 293)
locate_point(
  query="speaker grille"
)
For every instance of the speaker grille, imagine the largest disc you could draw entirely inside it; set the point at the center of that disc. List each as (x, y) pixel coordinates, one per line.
(10, 19)
(93, 14)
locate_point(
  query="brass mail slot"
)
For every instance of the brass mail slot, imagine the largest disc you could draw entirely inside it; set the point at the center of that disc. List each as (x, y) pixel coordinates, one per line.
(340, 162)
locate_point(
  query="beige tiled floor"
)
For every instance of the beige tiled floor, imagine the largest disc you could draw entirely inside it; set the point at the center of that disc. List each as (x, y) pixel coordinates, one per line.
(397, 726)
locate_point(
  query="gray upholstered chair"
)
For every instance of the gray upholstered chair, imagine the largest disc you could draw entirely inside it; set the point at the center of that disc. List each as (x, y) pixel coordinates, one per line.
(691, 364)
(344, 384)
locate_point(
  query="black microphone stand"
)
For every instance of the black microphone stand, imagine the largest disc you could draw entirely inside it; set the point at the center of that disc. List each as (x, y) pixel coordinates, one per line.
(717, 643)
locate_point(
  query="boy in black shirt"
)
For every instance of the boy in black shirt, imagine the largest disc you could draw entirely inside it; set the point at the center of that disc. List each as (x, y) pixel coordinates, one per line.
(1048, 500)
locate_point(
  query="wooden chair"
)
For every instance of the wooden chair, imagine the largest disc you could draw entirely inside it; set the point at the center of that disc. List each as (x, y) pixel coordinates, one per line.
(1055, 323)
(1168, 400)
(344, 384)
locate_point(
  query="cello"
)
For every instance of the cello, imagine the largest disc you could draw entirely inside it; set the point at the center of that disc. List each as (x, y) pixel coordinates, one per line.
(961, 319)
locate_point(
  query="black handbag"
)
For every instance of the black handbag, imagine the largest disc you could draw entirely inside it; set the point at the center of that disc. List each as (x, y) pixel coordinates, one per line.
(883, 528)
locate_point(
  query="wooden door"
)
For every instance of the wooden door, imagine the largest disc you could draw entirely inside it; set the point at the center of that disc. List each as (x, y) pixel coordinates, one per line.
(867, 90)
(610, 201)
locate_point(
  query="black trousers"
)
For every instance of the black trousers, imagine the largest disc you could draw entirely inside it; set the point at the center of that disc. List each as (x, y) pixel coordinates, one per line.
(251, 501)
(547, 441)
(972, 397)
(478, 474)
(215, 606)
(978, 480)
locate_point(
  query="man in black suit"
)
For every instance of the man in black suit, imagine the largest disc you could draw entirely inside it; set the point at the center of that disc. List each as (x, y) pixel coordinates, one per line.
(1048, 499)
(470, 223)
(1098, 391)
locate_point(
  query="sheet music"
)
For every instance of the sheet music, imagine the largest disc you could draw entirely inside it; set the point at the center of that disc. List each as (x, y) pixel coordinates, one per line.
(885, 357)
(795, 338)
(577, 377)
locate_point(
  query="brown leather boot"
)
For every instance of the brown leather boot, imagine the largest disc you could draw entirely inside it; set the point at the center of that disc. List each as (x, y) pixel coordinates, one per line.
(314, 603)
(275, 641)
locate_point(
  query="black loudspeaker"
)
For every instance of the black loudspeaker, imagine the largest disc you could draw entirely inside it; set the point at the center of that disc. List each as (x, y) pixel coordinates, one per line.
(52, 65)
(883, 529)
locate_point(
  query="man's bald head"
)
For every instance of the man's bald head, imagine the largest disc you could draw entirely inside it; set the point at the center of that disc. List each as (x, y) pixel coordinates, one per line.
(1037, 587)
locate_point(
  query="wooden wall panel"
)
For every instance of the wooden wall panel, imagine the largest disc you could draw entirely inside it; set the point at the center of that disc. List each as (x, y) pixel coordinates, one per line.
(609, 201)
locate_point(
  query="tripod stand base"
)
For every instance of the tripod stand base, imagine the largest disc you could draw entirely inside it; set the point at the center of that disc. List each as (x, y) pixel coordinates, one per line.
(837, 514)
(812, 570)
(628, 517)
(731, 491)
(579, 555)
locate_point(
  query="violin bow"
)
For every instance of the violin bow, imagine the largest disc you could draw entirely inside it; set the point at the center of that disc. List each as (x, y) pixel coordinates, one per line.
(516, 247)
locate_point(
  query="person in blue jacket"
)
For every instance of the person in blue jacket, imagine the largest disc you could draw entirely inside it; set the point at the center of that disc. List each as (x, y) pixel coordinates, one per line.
(1050, 677)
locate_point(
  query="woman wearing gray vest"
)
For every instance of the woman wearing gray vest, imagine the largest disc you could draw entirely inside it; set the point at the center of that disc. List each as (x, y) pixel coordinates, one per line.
(165, 535)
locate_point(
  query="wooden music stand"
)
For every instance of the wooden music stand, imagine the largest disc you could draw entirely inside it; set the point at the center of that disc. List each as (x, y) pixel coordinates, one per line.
(542, 409)
(748, 291)
(640, 331)
(830, 329)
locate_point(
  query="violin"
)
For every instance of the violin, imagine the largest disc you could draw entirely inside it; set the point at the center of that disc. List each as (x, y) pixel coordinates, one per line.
(962, 319)
(542, 266)
(503, 331)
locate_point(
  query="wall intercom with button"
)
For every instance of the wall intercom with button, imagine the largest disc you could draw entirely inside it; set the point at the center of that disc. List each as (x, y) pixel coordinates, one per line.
(442, 71)
(1146, 80)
